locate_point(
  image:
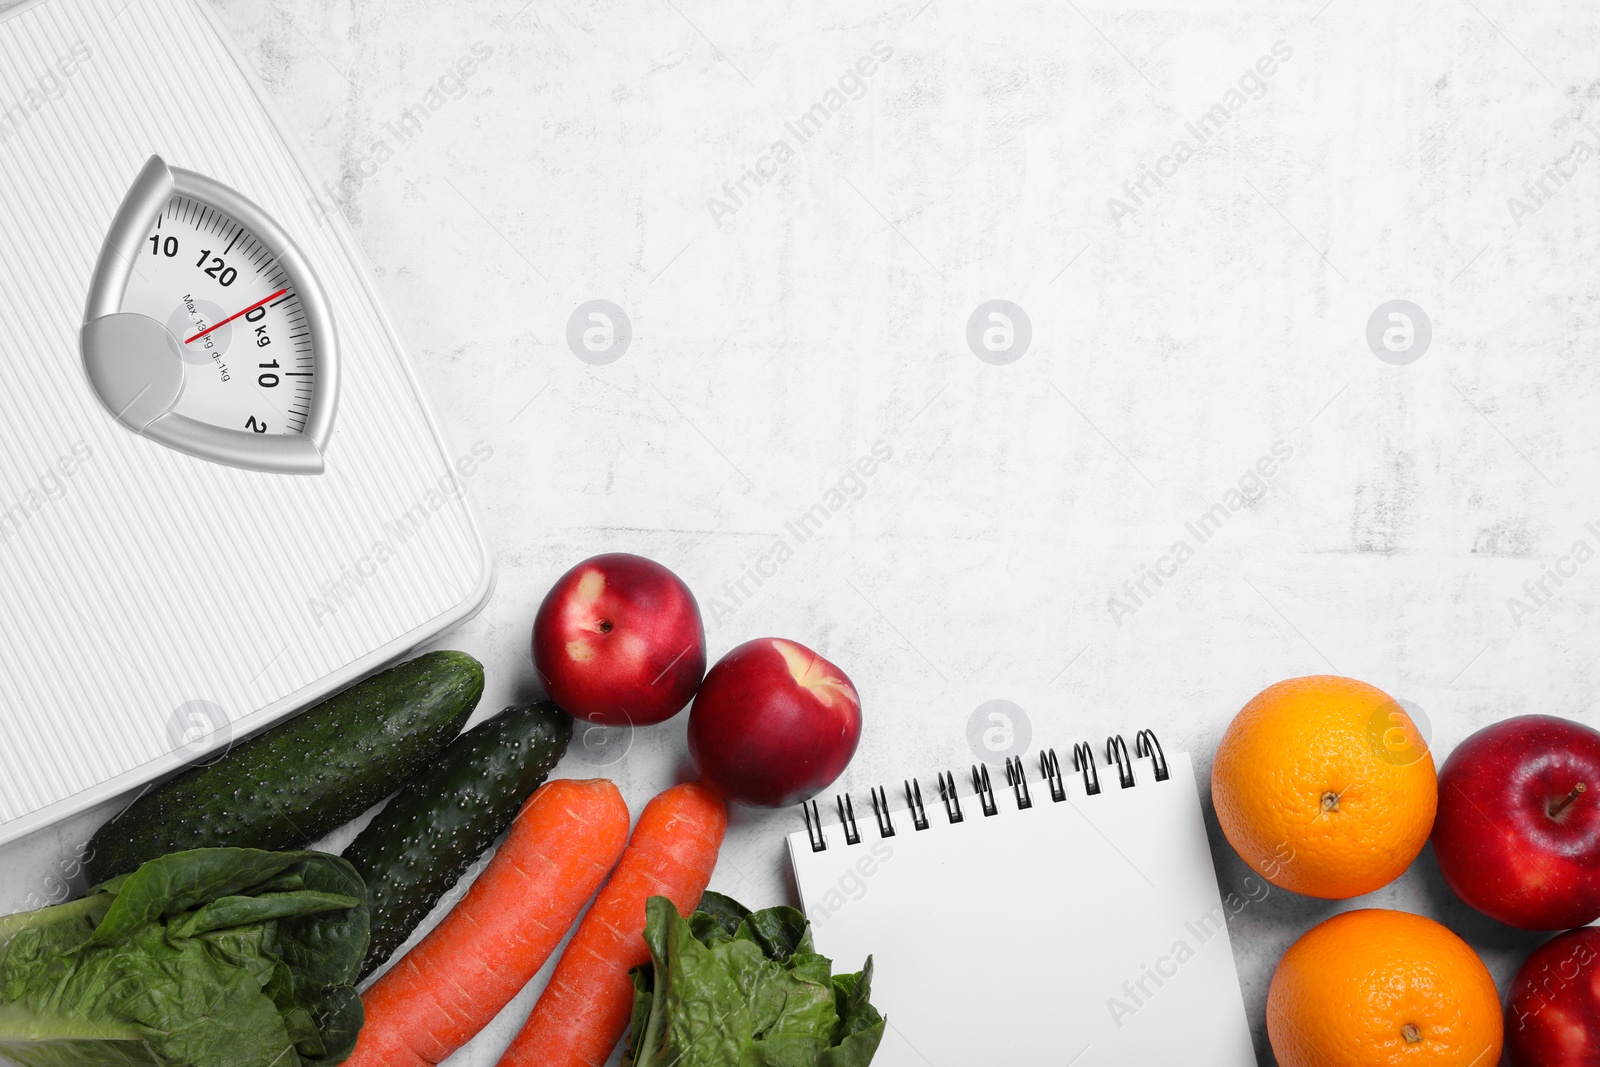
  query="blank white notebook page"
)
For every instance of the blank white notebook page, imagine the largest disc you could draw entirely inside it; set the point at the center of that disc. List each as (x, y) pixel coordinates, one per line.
(1086, 932)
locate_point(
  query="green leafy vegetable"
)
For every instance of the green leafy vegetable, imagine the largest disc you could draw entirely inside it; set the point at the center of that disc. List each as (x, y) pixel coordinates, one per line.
(217, 957)
(728, 987)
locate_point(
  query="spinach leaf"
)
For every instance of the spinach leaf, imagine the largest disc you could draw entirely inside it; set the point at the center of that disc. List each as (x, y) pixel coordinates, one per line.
(240, 911)
(72, 1042)
(321, 946)
(727, 987)
(781, 932)
(725, 911)
(339, 1024)
(178, 882)
(851, 993)
(860, 1025)
(208, 958)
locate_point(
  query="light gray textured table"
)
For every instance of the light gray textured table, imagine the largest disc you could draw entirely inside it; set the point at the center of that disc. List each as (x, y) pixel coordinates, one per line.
(792, 307)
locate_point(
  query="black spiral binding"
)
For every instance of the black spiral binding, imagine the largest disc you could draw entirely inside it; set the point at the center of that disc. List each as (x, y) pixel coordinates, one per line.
(847, 819)
(1117, 752)
(1083, 760)
(819, 843)
(1017, 779)
(1145, 746)
(1050, 771)
(881, 814)
(947, 793)
(983, 789)
(919, 814)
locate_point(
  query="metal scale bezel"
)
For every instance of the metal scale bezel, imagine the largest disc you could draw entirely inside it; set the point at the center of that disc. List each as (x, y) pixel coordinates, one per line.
(132, 368)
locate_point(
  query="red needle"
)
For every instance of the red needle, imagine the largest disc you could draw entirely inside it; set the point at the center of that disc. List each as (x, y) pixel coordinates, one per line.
(230, 318)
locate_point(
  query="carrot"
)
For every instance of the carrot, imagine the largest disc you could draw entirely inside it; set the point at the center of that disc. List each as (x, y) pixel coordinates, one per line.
(587, 1005)
(564, 841)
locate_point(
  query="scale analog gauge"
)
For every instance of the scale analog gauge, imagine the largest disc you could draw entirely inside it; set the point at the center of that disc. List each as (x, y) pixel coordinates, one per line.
(206, 330)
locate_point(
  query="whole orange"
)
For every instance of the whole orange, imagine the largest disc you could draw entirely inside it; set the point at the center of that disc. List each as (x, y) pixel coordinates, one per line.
(1375, 987)
(1324, 785)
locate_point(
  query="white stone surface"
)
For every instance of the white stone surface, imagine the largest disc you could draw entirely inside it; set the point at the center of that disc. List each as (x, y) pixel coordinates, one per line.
(1170, 350)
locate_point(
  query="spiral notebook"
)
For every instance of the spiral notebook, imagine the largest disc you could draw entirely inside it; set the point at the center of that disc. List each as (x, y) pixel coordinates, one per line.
(1061, 918)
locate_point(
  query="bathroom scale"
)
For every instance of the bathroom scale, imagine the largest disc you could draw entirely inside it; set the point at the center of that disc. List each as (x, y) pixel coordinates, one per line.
(222, 495)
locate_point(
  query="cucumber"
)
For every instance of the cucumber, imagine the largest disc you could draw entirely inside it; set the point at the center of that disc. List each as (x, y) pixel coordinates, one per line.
(424, 840)
(298, 781)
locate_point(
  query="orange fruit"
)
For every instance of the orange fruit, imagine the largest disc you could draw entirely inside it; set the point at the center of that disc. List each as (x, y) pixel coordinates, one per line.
(1375, 987)
(1324, 785)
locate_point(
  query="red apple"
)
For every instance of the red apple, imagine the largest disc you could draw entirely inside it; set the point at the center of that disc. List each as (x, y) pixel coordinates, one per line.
(773, 723)
(618, 641)
(1553, 1011)
(1518, 830)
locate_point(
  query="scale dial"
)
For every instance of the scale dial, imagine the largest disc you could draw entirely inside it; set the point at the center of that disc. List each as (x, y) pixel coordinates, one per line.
(206, 330)
(233, 317)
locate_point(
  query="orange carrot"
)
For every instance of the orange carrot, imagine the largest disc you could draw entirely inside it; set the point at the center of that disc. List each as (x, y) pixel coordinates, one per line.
(587, 1005)
(564, 841)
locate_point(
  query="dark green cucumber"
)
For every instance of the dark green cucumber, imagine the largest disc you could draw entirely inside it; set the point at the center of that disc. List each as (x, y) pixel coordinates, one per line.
(424, 840)
(291, 785)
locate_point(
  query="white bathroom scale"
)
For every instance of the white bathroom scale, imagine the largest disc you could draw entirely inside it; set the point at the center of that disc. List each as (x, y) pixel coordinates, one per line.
(222, 496)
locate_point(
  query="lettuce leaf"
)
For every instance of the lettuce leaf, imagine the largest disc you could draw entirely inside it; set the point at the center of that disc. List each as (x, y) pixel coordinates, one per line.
(210, 958)
(728, 987)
